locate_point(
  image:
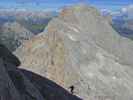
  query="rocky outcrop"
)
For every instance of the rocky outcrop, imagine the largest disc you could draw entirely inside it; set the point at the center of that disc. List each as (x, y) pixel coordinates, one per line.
(19, 84)
(80, 48)
(13, 34)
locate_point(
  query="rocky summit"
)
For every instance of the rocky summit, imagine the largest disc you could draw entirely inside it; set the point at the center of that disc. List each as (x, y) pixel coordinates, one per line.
(80, 49)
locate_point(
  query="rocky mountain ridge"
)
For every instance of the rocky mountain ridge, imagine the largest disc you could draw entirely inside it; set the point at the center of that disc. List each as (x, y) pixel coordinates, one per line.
(81, 48)
(13, 34)
(20, 84)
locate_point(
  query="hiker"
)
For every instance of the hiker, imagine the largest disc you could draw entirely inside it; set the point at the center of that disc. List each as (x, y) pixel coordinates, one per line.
(72, 89)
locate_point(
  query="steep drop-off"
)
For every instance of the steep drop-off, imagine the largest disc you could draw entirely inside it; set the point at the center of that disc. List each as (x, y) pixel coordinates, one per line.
(20, 84)
(80, 48)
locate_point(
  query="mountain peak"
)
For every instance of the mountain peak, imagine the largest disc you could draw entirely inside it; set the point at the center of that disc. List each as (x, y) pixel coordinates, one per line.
(80, 48)
(79, 8)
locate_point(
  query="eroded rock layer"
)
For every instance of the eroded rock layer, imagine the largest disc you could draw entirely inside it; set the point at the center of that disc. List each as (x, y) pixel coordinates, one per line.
(20, 84)
(80, 48)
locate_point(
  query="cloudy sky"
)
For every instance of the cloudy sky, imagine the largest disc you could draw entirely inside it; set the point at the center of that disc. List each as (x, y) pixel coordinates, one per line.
(56, 4)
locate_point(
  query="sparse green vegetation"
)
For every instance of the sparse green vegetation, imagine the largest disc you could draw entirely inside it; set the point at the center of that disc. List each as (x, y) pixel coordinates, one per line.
(38, 26)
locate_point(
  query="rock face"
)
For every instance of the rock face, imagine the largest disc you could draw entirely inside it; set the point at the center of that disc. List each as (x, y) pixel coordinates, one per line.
(19, 84)
(13, 34)
(80, 48)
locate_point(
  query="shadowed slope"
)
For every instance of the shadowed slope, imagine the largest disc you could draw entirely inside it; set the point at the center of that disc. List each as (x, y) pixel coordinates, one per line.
(7, 56)
(19, 84)
(49, 89)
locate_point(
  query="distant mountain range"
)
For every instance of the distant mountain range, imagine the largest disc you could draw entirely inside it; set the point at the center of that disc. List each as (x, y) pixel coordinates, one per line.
(27, 18)
(122, 20)
(16, 26)
(27, 13)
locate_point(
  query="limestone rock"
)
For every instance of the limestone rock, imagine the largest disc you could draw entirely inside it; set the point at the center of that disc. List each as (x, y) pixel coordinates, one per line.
(13, 34)
(20, 84)
(80, 48)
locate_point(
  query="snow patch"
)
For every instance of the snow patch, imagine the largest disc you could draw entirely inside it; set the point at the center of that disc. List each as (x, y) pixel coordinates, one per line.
(71, 37)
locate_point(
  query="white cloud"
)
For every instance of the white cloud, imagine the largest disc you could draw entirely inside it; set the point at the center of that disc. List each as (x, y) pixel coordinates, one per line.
(124, 13)
(128, 11)
(105, 12)
(127, 8)
(124, 10)
(109, 12)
